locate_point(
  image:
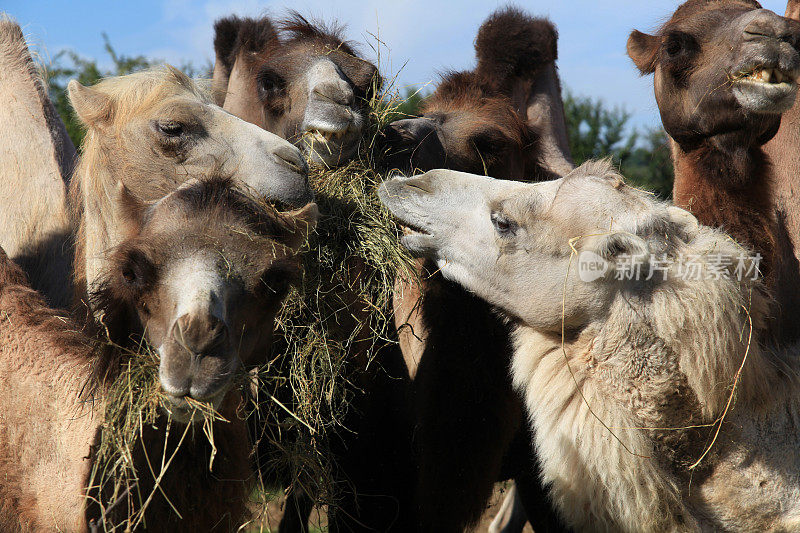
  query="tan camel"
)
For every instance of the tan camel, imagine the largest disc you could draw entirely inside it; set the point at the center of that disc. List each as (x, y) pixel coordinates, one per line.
(152, 130)
(36, 160)
(297, 79)
(725, 73)
(239, 250)
(630, 361)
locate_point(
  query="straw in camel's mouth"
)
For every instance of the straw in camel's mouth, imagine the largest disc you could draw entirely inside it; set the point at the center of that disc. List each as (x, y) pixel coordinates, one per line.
(770, 76)
(325, 136)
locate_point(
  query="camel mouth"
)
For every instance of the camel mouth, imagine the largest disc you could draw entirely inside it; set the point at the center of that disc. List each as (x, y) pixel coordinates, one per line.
(765, 90)
(325, 137)
(767, 76)
(186, 411)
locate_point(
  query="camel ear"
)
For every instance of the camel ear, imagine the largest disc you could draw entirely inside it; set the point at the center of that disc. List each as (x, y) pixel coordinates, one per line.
(684, 220)
(93, 107)
(129, 209)
(301, 223)
(179, 76)
(643, 50)
(625, 250)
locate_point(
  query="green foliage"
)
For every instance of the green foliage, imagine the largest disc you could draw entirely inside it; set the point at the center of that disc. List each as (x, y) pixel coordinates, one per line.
(69, 65)
(412, 103)
(596, 131)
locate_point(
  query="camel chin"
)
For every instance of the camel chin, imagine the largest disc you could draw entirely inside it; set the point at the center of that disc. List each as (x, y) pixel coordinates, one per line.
(765, 97)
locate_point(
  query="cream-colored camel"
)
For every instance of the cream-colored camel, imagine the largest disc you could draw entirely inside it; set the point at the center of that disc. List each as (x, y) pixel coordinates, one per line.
(625, 376)
(151, 130)
(36, 160)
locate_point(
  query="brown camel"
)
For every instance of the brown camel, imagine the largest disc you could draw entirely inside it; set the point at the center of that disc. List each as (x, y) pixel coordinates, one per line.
(299, 80)
(655, 408)
(725, 72)
(238, 250)
(36, 160)
(784, 154)
(152, 130)
(504, 119)
(305, 83)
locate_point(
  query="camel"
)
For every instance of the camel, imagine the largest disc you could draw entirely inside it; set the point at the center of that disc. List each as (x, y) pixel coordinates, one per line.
(36, 160)
(152, 130)
(654, 406)
(226, 282)
(725, 73)
(782, 151)
(297, 79)
(504, 119)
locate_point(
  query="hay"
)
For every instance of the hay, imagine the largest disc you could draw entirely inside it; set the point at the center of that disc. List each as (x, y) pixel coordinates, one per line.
(329, 332)
(331, 328)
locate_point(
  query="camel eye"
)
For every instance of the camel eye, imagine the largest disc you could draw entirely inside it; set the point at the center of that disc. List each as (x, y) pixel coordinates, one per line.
(129, 275)
(504, 226)
(170, 128)
(270, 84)
(679, 43)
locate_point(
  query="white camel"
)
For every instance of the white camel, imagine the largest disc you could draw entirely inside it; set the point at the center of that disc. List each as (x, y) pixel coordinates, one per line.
(654, 407)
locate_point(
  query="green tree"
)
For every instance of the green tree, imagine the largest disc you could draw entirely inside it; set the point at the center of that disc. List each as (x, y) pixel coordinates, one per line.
(596, 131)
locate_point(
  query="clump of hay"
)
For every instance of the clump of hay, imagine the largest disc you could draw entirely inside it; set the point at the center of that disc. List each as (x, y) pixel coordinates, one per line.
(329, 330)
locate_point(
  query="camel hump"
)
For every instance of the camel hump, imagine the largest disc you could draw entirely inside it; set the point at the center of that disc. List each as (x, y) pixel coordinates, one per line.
(233, 35)
(36, 161)
(512, 44)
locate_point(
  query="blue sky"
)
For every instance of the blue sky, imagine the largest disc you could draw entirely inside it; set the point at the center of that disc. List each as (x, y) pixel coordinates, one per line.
(421, 37)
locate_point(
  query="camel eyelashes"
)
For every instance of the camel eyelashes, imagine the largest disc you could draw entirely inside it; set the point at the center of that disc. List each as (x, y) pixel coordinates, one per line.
(279, 278)
(270, 84)
(170, 128)
(505, 227)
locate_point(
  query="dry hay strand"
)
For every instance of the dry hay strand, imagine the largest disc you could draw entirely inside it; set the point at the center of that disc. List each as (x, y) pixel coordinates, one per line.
(328, 333)
(332, 328)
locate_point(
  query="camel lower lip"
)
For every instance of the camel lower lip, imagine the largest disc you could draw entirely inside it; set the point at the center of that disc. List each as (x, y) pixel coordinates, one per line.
(762, 97)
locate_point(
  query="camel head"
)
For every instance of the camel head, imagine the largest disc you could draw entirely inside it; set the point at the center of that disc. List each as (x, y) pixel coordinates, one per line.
(160, 123)
(201, 275)
(512, 243)
(490, 120)
(723, 70)
(296, 79)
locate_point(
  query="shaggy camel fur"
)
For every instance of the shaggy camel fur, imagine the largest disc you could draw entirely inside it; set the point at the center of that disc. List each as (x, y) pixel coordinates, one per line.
(54, 408)
(630, 360)
(152, 130)
(298, 79)
(724, 73)
(36, 160)
(504, 118)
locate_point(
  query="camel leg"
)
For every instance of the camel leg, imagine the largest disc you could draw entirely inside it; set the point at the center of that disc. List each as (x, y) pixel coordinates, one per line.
(511, 518)
(467, 412)
(296, 513)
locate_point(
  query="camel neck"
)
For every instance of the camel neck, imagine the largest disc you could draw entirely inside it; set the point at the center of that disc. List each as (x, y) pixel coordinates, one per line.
(729, 188)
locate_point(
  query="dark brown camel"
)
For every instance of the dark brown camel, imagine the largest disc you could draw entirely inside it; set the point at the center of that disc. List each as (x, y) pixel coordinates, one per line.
(725, 73)
(504, 119)
(46, 464)
(296, 79)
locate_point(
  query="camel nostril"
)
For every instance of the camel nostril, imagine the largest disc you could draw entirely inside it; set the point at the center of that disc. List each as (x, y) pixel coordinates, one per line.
(291, 157)
(199, 334)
